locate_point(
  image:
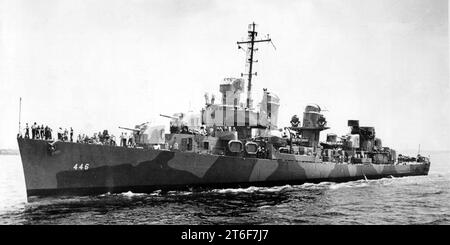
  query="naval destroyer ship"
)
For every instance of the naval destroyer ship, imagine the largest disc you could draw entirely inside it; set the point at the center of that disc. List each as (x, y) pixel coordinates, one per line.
(228, 144)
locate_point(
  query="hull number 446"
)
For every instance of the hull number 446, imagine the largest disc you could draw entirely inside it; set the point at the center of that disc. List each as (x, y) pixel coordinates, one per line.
(81, 166)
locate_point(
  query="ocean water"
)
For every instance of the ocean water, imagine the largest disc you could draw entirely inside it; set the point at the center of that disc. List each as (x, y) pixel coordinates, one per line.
(408, 200)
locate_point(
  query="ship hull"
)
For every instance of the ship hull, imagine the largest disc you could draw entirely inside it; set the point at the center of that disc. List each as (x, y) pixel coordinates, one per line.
(73, 168)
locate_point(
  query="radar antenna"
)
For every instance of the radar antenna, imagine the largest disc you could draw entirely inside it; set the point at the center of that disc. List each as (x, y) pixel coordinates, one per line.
(250, 51)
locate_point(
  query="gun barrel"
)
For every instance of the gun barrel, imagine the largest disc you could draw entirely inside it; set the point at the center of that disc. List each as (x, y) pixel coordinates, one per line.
(162, 115)
(135, 130)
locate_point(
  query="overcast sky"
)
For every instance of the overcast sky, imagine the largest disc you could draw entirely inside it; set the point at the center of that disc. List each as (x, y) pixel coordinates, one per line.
(100, 64)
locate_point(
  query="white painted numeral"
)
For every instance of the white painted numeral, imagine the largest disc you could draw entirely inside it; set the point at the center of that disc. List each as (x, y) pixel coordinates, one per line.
(81, 166)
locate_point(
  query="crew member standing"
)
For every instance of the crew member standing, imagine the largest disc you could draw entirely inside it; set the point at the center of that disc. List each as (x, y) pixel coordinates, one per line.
(27, 132)
(50, 137)
(38, 132)
(130, 140)
(46, 132)
(42, 132)
(33, 130)
(71, 134)
(60, 133)
(125, 137)
(66, 135)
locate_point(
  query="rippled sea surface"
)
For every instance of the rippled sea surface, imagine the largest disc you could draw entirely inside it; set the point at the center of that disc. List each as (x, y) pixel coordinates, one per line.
(408, 200)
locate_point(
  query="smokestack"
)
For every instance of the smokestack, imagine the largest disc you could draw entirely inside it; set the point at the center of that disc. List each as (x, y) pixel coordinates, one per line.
(354, 126)
(353, 123)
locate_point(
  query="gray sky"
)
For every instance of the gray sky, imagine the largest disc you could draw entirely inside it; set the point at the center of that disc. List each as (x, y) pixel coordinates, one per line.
(101, 64)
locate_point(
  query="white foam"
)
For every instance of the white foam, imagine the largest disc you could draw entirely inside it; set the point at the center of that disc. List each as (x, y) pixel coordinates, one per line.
(131, 194)
(155, 193)
(237, 190)
(105, 194)
(277, 188)
(353, 184)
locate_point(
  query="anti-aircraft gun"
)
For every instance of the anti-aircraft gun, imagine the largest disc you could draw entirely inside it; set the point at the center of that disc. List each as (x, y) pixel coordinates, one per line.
(137, 128)
(147, 135)
(174, 123)
(177, 125)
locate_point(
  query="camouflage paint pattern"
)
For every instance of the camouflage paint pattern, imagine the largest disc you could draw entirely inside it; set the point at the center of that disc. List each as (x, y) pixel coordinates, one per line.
(119, 169)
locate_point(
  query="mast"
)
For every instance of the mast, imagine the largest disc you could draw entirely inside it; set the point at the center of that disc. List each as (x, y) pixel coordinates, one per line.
(250, 50)
(20, 112)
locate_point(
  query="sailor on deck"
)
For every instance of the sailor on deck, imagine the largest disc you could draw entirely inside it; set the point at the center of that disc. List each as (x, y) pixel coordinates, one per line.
(131, 140)
(38, 132)
(123, 140)
(42, 132)
(203, 130)
(48, 133)
(27, 132)
(60, 133)
(33, 130)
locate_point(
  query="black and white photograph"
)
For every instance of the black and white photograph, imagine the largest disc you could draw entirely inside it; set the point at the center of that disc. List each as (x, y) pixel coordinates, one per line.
(213, 112)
